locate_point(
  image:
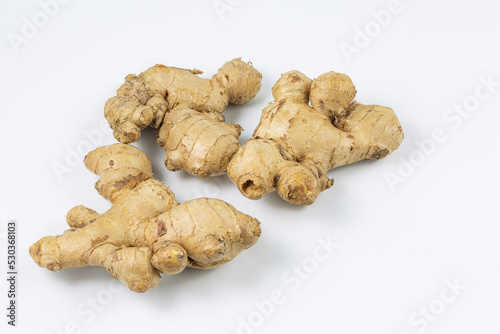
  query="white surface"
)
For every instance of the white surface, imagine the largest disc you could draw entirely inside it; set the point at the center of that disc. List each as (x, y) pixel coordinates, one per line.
(396, 248)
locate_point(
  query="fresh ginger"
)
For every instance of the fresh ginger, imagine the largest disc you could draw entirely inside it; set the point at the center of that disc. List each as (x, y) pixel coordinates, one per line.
(145, 232)
(187, 112)
(295, 144)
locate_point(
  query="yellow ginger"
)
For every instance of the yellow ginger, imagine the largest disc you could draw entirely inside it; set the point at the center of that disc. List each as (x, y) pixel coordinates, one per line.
(145, 232)
(295, 143)
(187, 112)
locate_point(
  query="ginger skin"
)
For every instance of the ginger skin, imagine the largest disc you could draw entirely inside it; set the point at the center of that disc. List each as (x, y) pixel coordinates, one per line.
(295, 144)
(145, 232)
(187, 112)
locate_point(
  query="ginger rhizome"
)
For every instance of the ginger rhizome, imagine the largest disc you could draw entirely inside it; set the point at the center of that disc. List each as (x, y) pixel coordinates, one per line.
(187, 112)
(295, 143)
(145, 232)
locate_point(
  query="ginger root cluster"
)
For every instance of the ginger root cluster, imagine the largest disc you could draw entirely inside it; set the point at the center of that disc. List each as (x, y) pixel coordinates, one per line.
(311, 127)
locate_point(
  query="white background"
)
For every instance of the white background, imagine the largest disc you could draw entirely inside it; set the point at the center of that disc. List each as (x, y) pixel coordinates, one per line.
(397, 246)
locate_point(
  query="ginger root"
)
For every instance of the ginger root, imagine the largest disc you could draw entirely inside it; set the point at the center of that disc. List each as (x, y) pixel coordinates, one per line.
(145, 232)
(187, 112)
(295, 144)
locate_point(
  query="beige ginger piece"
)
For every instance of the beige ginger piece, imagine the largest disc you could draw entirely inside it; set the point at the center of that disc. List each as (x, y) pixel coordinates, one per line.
(187, 111)
(295, 143)
(145, 232)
